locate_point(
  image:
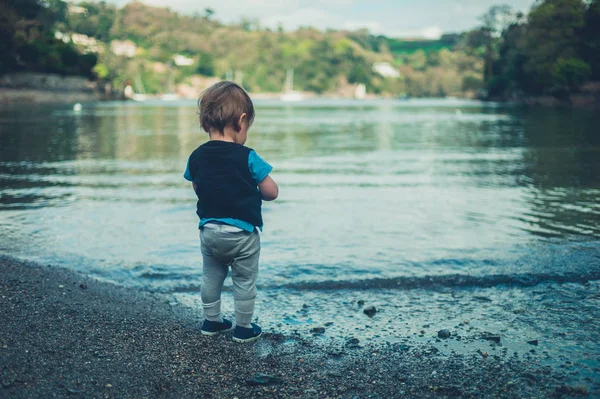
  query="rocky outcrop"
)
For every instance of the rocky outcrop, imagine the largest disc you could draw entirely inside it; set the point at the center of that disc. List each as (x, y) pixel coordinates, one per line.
(45, 88)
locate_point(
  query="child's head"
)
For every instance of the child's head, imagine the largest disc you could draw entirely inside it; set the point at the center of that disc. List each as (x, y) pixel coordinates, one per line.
(225, 104)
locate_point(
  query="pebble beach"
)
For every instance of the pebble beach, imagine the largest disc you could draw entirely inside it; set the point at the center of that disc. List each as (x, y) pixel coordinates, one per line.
(66, 334)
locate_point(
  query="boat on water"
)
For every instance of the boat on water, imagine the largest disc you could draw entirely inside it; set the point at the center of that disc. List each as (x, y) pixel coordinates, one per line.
(130, 94)
(289, 94)
(170, 94)
(169, 97)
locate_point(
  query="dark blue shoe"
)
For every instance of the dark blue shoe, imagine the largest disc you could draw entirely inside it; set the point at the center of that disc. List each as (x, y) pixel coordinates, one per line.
(214, 327)
(243, 334)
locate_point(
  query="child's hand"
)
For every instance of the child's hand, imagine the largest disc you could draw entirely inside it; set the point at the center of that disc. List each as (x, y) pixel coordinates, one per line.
(268, 189)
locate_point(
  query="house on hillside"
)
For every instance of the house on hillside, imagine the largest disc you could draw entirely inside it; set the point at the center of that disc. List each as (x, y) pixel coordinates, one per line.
(125, 48)
(182, 60)
(74, 9)
(89, 44)
(386, 70)
(62, 36)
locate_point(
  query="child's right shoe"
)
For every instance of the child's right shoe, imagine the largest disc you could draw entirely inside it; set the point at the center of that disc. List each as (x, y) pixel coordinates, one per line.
(214, 327)
(244, 334)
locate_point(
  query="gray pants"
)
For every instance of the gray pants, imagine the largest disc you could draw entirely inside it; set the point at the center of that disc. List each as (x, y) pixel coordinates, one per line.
(223, 246)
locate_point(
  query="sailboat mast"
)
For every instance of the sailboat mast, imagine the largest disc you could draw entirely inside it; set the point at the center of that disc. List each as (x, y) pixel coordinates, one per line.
(289, 80)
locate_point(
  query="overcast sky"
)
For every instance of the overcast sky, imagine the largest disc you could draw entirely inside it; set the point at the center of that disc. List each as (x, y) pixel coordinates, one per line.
(398, 18)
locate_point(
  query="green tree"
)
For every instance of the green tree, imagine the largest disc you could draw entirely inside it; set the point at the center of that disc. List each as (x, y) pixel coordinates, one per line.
(495, 22)
(570, 72)
(552, 34)
(206, 64)
(590, 35)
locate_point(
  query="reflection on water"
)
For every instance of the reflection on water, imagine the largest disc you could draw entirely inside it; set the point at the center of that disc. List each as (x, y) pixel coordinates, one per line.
(376, 189)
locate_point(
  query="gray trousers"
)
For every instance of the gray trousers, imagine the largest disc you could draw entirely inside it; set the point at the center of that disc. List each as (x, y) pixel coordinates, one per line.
(222, 247)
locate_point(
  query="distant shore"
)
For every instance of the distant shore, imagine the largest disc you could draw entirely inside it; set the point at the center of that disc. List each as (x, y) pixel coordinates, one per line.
(37, 88)
(588, 96)
(33, 88)
(65, 334)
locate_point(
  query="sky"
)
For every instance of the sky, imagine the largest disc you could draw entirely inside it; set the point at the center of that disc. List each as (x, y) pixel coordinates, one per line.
(395, 18)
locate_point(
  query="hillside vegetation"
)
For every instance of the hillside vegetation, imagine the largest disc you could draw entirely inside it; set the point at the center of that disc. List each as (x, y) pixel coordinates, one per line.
(554, 48)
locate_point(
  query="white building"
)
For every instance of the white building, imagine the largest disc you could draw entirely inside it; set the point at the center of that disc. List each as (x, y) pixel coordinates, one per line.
(62, 36)
(123, 47)
(83, 40)
(182, 60)
(89, 44)
(73, 9)
(386, 70)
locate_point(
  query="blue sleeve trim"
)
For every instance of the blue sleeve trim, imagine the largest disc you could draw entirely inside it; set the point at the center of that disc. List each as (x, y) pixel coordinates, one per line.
(259, 168)
(232, 222)
(187, 175)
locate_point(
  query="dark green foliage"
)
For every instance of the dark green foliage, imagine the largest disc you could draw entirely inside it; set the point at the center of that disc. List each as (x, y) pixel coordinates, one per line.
(556, 48)
(86, 63)
(206, 64)
(551, 34)
(398, 46)
(471, 82)
(69, 57)
(28, 43)
(590, 35)
(570, 72)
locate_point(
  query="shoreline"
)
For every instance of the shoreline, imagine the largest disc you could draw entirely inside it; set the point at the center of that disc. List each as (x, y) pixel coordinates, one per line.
(66, 334)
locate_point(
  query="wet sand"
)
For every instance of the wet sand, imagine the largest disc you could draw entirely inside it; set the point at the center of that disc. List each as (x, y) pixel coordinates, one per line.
(65, 334)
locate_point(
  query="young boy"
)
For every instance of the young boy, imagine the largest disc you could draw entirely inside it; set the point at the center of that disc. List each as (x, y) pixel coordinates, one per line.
(230, 181)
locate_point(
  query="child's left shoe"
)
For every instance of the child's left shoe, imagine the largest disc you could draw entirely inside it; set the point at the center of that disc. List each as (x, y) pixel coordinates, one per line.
(214, 327)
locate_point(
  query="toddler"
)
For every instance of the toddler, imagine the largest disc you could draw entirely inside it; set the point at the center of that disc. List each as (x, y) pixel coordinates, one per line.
(230, 181)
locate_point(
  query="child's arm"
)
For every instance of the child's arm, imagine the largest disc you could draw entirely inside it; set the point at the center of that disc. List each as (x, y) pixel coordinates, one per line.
(260, 171)
(268, 189)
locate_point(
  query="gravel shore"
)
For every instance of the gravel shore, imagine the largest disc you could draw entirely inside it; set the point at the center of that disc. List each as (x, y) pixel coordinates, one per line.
(65, 334)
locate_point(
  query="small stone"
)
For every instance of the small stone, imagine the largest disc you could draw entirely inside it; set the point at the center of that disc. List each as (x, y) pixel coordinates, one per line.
(444, 333)
(336, 352)
(352, 343)
(370, 311)
(7, 377)
(401, 347)
(360, 302)
(318, 330)
(491, 337)
(264, 379)
(482, 298)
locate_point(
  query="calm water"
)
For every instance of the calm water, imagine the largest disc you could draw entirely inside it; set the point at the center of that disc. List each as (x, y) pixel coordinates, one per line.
(380, 200)
(368, 189)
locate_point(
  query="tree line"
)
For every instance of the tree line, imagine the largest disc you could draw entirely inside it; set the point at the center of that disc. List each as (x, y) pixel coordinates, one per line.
(555, 48)
(28, 42)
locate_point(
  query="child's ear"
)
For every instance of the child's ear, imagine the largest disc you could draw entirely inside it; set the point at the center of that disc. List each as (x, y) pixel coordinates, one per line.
(243, 118)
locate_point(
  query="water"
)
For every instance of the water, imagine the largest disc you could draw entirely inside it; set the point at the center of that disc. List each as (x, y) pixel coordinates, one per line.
(387, 201)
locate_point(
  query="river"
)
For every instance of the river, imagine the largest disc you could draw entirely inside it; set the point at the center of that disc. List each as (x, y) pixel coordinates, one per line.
(441, 213)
